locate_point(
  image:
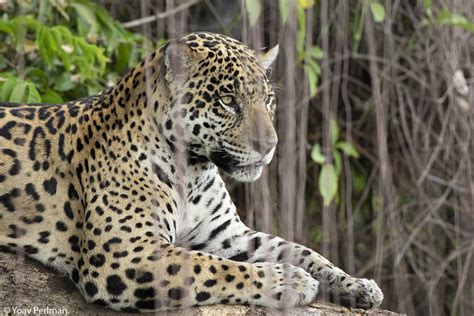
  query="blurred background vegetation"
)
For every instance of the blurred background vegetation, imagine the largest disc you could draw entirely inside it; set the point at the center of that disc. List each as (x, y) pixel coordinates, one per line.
(375, 162)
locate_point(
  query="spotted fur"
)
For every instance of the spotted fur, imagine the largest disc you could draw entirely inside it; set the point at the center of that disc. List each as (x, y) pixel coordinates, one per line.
(122, 190)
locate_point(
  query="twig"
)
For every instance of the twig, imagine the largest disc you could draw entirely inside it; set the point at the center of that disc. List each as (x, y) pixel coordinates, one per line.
(214, 12)
(159, 16)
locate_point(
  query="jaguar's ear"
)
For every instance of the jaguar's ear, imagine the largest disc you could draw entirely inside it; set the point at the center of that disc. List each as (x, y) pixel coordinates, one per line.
(177, 58)
(269, 57)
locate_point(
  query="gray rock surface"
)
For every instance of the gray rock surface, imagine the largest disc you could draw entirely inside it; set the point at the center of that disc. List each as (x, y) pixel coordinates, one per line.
(27, 284)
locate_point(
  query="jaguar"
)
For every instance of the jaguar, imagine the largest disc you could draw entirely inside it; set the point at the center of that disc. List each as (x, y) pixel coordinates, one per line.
(123, 191)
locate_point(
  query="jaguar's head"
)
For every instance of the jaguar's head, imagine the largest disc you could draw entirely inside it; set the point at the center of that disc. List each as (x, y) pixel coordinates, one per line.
(222, 102)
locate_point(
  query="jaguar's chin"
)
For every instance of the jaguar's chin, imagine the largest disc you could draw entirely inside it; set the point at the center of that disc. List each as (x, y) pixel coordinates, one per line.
(234, 169)
(247, 173)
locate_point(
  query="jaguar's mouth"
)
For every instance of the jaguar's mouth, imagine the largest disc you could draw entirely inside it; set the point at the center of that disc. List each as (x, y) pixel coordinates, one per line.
(229, 163)
(252, 164)
(243, 172)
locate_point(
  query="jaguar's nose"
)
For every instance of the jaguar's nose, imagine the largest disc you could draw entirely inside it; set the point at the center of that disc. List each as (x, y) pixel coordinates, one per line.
(263, 146)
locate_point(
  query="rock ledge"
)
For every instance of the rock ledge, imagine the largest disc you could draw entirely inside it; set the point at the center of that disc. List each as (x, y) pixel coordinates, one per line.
(25, 283)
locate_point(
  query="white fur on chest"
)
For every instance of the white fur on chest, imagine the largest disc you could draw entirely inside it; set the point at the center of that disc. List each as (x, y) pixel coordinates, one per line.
(206, 196)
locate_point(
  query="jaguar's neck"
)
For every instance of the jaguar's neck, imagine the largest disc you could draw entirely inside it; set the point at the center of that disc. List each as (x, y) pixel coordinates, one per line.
(143, 91)
(138, 103)
(138, 107)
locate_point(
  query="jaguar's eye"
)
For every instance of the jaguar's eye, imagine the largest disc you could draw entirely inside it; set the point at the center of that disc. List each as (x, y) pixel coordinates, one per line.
(269, 100)
(229, 102)
(227, 99)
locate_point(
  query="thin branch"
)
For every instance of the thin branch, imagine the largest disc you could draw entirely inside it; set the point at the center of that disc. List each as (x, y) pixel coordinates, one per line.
(161, 15)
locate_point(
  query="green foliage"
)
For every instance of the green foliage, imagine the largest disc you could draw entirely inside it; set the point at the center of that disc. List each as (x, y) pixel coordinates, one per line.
(309, 57)
(66, 47)
(328, 183)
(378, 11)
(445, 18)
(348, 149)
(312, 69)
(316, 234)
(19, 91)
(359, 181)
(331, 172)
(306, 4)
(316, 154)
(427, 4)
(335, 131)
(448, 18)
(284, 6)
(357, 26)
(254, 7)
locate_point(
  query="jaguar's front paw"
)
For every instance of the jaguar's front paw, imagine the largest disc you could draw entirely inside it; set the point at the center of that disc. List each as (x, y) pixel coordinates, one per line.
(290, 286)
(362, 293)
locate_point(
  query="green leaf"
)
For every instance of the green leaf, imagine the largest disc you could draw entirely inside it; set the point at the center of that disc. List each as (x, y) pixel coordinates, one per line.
(57, 37)
(88, 15)
(358, 27)
(301, 35)
(124, 53)
(316, 235)
(51, 97)
(33, 95)
(46, 43)
(60, 6)
(306, 4)
(446, 17)
(313, 83)
(427, 4)
(468, 27)
(348, 149)
(64, 32)
(254, 8)
(37, 76)
(93, 89)
(43, 10)
(358, 182)
(337, 162)
(328, 183)
(449, 18)
(284, 10)
(314, 66)
(3, 64)
(24, 21)
(18, 93)
(64, 83)
(8, 87)
(19, 29)
(317, 155)
(106, 21)
(334, 131)
(312, 80)
(378, 11)
(313, 70)
(300, 42)
(5, 27)
(316, 52)
(109, 28)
